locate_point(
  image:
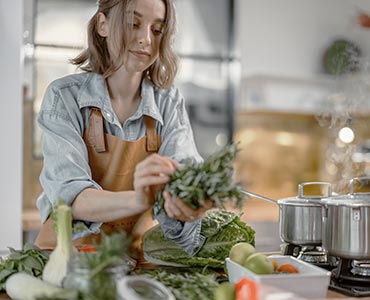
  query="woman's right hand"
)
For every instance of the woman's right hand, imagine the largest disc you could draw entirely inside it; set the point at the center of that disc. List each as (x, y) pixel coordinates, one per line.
(152, 171)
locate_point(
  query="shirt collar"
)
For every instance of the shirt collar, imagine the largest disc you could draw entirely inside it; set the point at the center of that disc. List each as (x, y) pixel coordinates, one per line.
(94, 92)
(148, 105)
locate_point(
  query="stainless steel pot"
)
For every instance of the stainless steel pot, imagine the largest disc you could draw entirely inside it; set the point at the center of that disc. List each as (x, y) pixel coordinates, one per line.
(346, 224)
(300, 218)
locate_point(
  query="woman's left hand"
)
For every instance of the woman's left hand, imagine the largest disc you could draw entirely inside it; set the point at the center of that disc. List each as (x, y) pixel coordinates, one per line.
(177, 209)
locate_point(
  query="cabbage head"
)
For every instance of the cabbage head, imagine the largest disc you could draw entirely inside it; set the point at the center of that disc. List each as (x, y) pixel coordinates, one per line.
(222, 230)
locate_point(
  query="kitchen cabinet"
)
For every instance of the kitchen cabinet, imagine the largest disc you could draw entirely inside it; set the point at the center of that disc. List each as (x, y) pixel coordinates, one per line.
(330, 295)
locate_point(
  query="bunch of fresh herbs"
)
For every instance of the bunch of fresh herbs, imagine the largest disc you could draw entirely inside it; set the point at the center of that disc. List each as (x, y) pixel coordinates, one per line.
(110, 262)
(187, 284)
(196, 183)
(30, 260)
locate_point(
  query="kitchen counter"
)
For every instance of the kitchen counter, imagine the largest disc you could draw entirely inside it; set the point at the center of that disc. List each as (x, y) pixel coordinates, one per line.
(335, 295)
(330, 295)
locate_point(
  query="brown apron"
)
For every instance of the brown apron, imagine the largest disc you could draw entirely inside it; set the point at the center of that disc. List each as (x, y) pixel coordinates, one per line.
(112, 162)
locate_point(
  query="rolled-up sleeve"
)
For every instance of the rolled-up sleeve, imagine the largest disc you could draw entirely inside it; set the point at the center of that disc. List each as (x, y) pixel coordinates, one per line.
(66, 171)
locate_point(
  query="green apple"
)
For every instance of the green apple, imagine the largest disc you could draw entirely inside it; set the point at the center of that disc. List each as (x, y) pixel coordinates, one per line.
(259, 263)
(225, 291)
(240, 252)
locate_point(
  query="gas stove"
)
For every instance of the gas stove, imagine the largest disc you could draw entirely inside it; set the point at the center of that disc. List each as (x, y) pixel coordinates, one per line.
(314, 255)
(351, 277)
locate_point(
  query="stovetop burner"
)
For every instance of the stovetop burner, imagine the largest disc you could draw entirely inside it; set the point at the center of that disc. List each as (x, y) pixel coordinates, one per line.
(314, 255)
(351, 277)
(361, 267)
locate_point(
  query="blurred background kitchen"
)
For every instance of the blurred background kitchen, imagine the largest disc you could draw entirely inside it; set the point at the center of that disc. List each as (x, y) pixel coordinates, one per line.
(287, 79)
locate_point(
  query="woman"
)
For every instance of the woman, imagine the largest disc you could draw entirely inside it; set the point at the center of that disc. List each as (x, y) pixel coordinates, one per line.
(114, 133)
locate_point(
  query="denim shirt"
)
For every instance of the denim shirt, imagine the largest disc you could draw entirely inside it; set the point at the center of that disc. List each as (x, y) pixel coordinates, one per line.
(64, 116)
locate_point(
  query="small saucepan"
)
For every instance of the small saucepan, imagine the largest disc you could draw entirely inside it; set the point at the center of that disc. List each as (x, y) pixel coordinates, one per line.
(300, 218)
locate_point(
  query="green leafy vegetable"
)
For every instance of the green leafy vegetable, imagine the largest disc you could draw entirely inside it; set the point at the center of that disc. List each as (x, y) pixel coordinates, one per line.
(30, 260)
(222, 229)
(195, 183)
(187, 285)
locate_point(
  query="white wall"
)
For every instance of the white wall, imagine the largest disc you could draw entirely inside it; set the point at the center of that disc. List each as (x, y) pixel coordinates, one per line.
(289, 37)
(11, 28)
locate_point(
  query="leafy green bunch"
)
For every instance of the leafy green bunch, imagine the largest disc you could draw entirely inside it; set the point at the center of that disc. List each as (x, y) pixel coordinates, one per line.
(30, 260)
(187, 284)
(222, 230)
(195, 183)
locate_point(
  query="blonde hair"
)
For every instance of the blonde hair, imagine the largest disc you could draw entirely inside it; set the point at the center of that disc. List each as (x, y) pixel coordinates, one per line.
(96, 57)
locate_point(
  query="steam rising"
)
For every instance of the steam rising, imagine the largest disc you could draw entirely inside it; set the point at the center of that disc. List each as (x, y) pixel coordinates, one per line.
(347, 105)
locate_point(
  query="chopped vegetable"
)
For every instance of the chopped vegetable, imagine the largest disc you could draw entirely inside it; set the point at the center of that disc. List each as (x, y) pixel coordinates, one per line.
(222, 229)
(22, 286)
(287, 268)
(56, 268)
(246, 288)
(30, 260)
(87, 248)
(195, 183)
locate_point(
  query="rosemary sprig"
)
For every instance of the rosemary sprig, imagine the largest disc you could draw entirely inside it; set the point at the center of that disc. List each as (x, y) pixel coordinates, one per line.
(195, 183)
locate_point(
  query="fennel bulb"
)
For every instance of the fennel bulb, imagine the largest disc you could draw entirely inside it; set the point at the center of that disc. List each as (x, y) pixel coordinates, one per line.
(56, 268)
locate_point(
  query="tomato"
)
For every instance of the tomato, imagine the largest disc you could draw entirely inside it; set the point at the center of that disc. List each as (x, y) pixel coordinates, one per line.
(246, 289)
(259, 263)
(240, 252)
(363, 20)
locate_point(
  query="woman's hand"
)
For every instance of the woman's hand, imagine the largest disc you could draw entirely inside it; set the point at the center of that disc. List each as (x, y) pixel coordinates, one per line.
(152, 171)
(177, 209)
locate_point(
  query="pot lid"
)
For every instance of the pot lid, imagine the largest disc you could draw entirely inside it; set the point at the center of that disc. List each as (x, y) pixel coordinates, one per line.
(351, 200)
(307, 200)
(298, 201)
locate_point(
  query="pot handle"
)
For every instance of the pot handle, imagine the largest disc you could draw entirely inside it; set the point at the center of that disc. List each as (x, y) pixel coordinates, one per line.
(302, 185)
(352, 183)
(248, 193)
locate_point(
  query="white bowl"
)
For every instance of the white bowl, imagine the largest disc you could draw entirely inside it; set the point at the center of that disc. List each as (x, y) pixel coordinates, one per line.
(310, 282)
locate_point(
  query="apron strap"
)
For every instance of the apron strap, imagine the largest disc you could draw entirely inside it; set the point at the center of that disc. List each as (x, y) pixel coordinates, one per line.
(152, 144)
(95, 130)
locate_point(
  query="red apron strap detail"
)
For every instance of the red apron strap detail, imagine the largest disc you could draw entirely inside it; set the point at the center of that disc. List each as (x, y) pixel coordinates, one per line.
(96, 125)
(151, 134)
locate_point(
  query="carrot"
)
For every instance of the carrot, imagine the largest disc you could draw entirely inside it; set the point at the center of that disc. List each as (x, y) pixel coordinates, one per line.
(86, 248)
(287, 268)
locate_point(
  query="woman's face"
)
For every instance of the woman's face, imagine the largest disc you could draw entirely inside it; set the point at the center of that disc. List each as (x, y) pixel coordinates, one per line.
(143, 42)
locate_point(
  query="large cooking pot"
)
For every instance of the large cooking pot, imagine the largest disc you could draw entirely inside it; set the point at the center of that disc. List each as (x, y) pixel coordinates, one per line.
(346, 224)
(300, 218)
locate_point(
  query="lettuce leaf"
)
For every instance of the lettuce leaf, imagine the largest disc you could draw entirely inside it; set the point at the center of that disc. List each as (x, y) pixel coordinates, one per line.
(222, 228)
